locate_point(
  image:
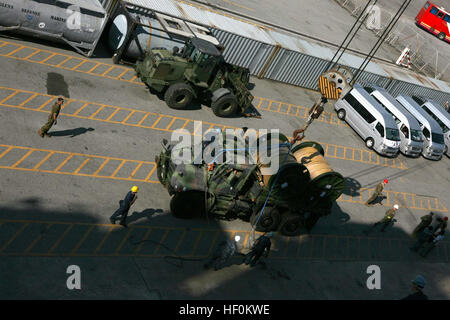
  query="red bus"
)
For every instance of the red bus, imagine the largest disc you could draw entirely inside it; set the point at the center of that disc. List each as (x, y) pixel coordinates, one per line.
(435, 19)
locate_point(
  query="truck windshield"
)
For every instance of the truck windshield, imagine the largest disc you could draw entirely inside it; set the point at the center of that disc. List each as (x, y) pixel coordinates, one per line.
(392, 134)
(437, 137)
(416, 135)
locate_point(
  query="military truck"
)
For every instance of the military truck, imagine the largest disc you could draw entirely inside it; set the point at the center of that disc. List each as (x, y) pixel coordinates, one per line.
(302, 190)
(198, 71)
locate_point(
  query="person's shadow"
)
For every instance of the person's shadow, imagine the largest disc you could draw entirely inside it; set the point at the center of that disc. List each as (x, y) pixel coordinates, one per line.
(147, 213)
(378, 200)
(71, 132)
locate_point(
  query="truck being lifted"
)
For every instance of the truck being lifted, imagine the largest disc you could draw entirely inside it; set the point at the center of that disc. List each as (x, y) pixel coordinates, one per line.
(199, 71)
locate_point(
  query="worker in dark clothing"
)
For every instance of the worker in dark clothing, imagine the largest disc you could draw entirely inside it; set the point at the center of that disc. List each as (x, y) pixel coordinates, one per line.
(417, 285)
(387, 219)
(422, 238)
(432, 243)
(425, 222)
(223, 253)
(125, 206)
(377, 193)
(442, 225)
(261, 246)
(314, 113)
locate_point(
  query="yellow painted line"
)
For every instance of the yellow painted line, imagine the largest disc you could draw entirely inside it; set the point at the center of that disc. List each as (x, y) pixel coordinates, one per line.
(113, 114)
(213, 242)
(63, 62)
(78, 65)
(135, 170)
(14, 51)
(48, 58)
(34, 95)
(58, 242)
(138, 249)
(94, 67)
(119, 77)
(10, 96)
(196, 243)
(122, 243)
(100, 245)
(92, 116)
(101, 167)
(8, 149)
(18, 232)
(86, 234)
(118, 168)
(64, 162)
(180, 241)
(80, 109)
(107, 71)
(128, 116)
(163, 238)
(143, 119)
(38, 238)
(44, 104)
(22, 159)
(82, 165)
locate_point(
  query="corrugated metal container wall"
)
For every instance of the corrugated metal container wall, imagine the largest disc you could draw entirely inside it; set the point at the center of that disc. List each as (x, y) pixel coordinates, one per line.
(400, 87)
(296, 68)
(243, 51)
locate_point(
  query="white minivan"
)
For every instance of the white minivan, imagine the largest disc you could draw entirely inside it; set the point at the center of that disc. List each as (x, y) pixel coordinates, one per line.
(433, 144)
(442, 117)
(411, 141)
(370, 120)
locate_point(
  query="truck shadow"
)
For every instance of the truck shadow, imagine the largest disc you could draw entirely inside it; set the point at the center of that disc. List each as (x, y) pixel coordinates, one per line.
(159, 257)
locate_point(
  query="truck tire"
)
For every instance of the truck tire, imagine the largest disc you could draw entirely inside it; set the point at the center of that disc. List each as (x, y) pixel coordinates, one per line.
(268, 221)
(179, 96)
(290, 224)
(441, 36)
(188, 204)
(225, 106)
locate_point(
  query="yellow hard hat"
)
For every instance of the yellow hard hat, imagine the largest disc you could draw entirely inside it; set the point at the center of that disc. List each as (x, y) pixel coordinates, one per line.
(134, 189)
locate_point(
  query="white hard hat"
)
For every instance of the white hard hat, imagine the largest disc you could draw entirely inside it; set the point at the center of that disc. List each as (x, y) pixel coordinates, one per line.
(396, 206)
(237, 238)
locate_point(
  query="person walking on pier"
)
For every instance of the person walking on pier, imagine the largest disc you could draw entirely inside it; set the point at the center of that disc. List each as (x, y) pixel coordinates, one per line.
(425, 222)
(262, 246)
(125, 206)
(377, 193)
(56, 108)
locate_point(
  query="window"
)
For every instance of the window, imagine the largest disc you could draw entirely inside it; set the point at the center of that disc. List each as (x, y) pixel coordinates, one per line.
(392, 134)
(405, 131)
(416, 135)
(438, 138)
(426, 133)
(380, 129)
(427, 5)
(440, 14)
(434, 10)
(447, 18)
(439, 121)
(389, 111)
(363, 112)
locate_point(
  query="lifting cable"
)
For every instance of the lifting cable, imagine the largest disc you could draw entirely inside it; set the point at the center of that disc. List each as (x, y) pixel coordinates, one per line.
(380, 41)
(333, 64)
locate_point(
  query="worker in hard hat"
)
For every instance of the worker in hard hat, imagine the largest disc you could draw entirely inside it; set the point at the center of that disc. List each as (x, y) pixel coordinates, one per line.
(125, 206)
(426, 220)
(432, 243)
(418, 284)
(442, 224)
(225, 250)
(422, 238)
(377, 193)
(387, 219)
(261, 246)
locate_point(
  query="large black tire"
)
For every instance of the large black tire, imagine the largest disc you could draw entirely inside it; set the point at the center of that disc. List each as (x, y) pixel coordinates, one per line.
(225, 106)
(188, 204)
(268, 221)
(441, 36)
(290, 225)
(179, 96)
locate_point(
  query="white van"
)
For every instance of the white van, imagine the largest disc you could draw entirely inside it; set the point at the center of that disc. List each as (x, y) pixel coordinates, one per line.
(370, 120)
(411, 141)
(442, 117)
(433, 145)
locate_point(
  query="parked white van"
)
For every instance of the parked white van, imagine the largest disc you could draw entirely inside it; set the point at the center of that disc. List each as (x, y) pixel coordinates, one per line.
(411, 141)
(433, 144)
(370, 120)
(442, 117)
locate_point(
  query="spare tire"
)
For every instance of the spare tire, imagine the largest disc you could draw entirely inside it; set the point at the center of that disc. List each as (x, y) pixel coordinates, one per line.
(225, 106)
(290, 224)
(268, 221)
(179, 96)
(188, 204)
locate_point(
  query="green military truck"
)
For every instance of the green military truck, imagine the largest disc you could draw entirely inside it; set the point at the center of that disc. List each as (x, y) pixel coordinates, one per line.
(199, 71)
(292, 200)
